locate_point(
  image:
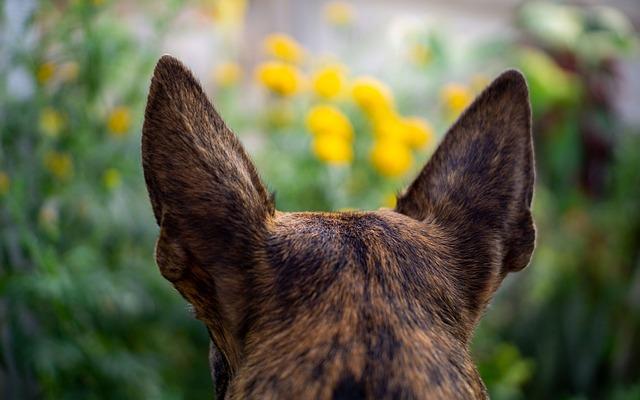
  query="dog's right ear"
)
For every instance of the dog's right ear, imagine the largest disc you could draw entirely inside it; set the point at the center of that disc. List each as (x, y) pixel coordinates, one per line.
(478, 187)
(207, 198)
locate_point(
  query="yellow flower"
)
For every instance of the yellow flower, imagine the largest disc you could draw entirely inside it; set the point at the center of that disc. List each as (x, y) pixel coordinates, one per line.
(390, 157)
(5, 182)
(119, 121)
(339, 13)
(412, 131)
(332, 149)
(329, 81)
(328, 120)
(283, 47)
(420, 54)
(456, 97)
(111, 178)
(45, 72)
(228, 13)
(59, 164)
(371, 95)
(69, 71)
(418, 133)
(227, 74)
(388, 125)
(280, 78)
(51, 122)
(390, 200)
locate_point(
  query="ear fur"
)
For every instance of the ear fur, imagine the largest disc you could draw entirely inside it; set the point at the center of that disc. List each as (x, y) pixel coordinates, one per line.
(206, 196)
(479, 185)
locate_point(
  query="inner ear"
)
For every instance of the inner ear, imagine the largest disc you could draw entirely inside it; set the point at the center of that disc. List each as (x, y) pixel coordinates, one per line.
(479, 184)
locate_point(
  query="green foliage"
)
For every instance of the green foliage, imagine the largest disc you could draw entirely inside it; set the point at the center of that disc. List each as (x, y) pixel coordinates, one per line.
(575, 311)
(84, 313)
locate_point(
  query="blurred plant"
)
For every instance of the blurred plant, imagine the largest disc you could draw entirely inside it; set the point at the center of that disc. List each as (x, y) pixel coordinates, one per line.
(227, 74)
(280, 78)
(60, 165)
(369, 142)
(333, 134)
(328, 120)
(45, 72)
(51, 121)
(581, 324)
(83, 311)
(395, 136)
(283, 47)
(329, 82)
(5, 183)
(390, 157)
(119, 121)
(372, 96)
(593, 33)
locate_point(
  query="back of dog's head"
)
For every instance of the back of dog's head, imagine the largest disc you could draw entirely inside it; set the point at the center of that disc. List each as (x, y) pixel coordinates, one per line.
(375, 304)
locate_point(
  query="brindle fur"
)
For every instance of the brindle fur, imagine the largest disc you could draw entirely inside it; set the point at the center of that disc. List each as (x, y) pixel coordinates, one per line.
(377, 304)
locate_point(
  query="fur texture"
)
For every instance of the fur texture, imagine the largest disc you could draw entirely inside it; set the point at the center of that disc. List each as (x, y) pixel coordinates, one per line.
(347, 305)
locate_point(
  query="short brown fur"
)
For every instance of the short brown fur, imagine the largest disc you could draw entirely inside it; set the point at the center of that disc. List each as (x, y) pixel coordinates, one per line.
(352, 305)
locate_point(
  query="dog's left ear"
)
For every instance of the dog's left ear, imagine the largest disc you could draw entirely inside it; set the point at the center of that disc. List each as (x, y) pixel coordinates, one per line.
(478, 186)
(208, 200)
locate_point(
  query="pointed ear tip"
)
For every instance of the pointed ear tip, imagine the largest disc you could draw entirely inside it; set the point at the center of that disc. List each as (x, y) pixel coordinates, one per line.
(168, 65)
(170, 74)
(512, 74)
(513, 79)
(167, 61)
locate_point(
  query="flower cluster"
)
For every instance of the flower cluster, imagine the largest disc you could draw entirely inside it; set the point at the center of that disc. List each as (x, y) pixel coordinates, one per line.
(395, 136)
(280, 78)
(284, 48)
(281, 75)
(332, 134)
(329, 82)
(57, 123)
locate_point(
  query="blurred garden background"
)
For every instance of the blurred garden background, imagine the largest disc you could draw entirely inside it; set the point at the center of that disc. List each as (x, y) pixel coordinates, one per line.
(340, 104)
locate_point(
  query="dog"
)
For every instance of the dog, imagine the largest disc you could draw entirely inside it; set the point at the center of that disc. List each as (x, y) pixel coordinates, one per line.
(344, 305)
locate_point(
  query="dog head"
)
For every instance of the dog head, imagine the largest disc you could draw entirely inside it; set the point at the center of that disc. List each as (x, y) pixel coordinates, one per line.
(377, 304)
